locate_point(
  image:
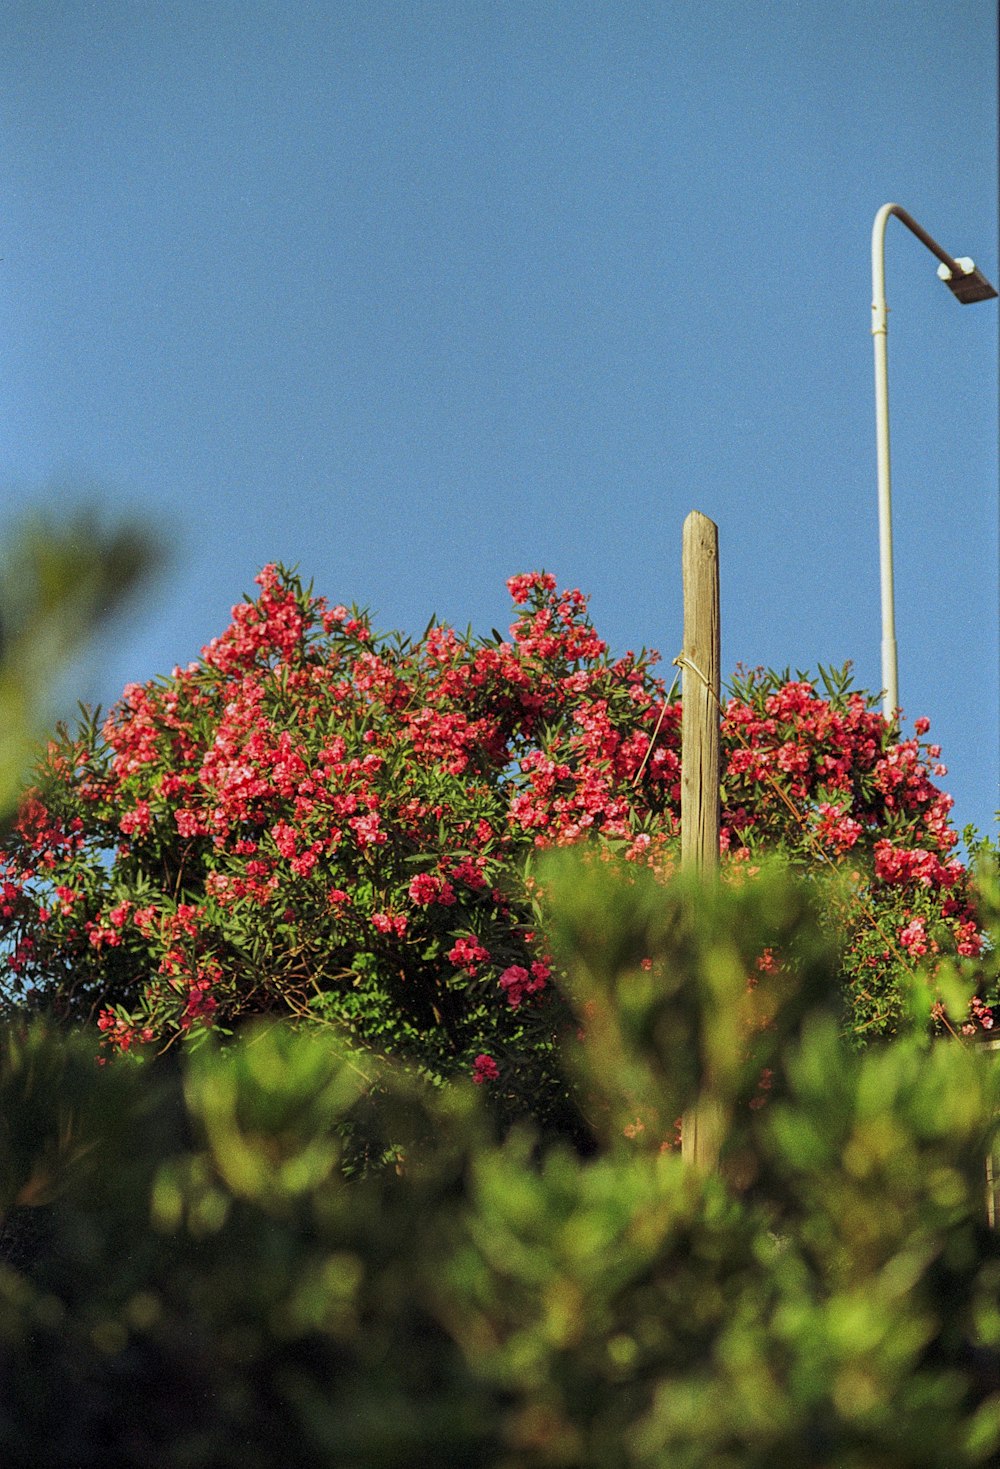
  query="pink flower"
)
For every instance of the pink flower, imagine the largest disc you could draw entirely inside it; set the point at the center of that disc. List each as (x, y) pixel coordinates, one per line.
(201, 1003)
(138, 820)
(468, 953)
(969, 940)
(98, 937)
(520, 587)
(284, 838)
(117, 1032)
(394, 923)
(425, 888)
(839, 829)
(516, 981)
(639, 847)
(368, 830)
(468, 872)
(484, 1069)
(982, 1013)
(304, 864)
(189, 823)
(513, 982)
(914, 938)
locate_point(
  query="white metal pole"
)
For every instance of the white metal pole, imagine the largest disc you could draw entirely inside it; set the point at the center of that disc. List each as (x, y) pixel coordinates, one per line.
(956, 271)
(880, 337)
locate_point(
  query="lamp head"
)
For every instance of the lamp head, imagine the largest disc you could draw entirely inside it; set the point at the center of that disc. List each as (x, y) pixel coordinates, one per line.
(968, 287)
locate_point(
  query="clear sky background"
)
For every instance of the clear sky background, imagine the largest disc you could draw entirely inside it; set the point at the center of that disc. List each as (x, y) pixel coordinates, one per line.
(421, 293)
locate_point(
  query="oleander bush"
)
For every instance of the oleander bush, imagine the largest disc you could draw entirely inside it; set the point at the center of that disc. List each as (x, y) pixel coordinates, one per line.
(287, 1250)
(319, 822)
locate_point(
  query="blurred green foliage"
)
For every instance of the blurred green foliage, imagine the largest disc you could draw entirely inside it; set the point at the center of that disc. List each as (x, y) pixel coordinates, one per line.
(667, 986)
(285, 1252)
(60, 580)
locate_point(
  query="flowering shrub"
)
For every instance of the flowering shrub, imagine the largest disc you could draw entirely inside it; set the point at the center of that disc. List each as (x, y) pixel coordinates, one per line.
(317, 820)
(829, 784)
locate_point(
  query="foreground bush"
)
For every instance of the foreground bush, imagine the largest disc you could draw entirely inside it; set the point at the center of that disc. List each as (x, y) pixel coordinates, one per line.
(317, 821)
(245, 1260)
(60, 582)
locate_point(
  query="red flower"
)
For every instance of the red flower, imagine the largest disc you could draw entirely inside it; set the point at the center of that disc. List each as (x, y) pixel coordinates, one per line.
(425, 889)
(516, 981)
(394, 923)
(484, 1069)
(468, 953)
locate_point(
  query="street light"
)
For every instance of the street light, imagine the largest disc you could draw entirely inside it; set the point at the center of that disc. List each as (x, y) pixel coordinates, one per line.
(967, 285)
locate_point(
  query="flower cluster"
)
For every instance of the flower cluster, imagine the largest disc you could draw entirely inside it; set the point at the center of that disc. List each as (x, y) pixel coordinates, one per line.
(318, 820)
(855, 803)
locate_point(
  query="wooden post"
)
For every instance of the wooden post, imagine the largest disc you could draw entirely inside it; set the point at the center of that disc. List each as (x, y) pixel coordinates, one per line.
(700, 691)
(701, 1138)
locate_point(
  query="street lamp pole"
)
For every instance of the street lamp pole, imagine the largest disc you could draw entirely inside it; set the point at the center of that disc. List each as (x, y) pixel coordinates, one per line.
(967, 285)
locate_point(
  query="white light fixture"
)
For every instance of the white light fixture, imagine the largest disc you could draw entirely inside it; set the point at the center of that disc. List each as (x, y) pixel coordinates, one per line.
(967, 285)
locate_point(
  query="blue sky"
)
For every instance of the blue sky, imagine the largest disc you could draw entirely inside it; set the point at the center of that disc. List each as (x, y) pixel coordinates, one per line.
(419, 295)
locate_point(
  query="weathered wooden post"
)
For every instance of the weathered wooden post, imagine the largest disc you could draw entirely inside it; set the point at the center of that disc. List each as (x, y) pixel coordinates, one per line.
(701, 1137)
